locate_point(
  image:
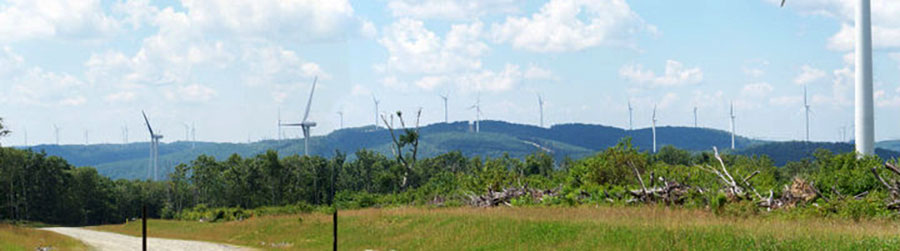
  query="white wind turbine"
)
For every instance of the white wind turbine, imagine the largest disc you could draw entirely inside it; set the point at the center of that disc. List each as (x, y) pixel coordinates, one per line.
(731, 115)
(541, 107)
(56, 133)
(695, 117)
(305, 124)
(477, 108)
(25, 133)
(630, 110)
(653, 121)
(806, 109)
(341, 114)
(376, 101)
(125, 134)
(154, 149)
(85, 137)
(279, 124)
(864, 107)
(446, 117)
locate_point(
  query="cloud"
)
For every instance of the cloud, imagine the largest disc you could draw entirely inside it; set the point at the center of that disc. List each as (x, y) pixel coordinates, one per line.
(194, 93)
(573, 25)
(786, 100)
(538, 73)
(26, 85)
(757, 90)
(676, 74)
(450, 9)
(808, 74)
(415, 49)
(885, 20)
(75, 20)
(119, 97)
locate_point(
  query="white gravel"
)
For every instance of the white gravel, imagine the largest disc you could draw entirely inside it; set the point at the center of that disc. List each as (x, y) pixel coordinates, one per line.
(111, 241)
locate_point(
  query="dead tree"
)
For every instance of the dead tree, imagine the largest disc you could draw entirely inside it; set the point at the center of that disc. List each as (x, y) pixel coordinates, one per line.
(669, 192)
(893, 186)
(735, 189)
(409, 138)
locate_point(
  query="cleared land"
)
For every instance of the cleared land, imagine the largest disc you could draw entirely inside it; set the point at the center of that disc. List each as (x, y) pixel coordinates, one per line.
(616, 228)
(24, 238)
(99, 240)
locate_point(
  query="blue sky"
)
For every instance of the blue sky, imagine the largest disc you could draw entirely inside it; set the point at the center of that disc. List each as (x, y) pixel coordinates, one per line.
(229, 66)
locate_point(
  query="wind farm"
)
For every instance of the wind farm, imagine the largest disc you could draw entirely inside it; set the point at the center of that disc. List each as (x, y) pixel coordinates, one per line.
(499, 125)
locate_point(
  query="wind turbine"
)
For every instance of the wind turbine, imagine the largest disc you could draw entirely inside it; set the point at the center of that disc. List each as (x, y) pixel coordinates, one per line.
(864, 107)
(341, 114)
(374, 99)
(477, 108)
(279, 124)
(25, 132)
(56, 132)
(154, 148)
(187, 132)
(541, 106)
(193, 136)
(731, 115)
(85, 137)
(695, 117)
(125, 134)
(653, 120)
(305, 124)
(446, 118)
(630, 110)
(806, 108)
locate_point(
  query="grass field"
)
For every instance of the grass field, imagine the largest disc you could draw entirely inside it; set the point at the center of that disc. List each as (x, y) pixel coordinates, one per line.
(605, 228)
(24, 238)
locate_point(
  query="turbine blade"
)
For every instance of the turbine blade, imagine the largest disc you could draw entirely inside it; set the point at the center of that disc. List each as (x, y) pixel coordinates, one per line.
(148, 123)
(309, 101)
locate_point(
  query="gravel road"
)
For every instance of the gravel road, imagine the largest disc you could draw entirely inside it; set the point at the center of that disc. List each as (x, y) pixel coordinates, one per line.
(112, 241)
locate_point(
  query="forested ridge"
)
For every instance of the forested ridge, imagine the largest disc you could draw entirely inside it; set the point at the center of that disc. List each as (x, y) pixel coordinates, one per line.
(38, 187)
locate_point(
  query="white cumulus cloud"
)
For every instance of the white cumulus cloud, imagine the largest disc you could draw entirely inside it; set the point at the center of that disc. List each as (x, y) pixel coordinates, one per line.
(675, 74)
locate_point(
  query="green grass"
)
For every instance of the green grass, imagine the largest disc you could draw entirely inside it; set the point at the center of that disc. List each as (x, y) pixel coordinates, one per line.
(608, 228)
(26, 238)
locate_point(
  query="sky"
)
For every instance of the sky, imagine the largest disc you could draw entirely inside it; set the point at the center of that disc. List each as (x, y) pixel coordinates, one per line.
(228, 66)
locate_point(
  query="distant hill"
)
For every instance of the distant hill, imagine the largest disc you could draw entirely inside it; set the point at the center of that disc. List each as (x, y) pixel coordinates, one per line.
(783, 152)
(495, 139)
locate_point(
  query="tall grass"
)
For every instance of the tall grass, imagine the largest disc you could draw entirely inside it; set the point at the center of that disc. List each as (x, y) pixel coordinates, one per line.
(609, 228)
(25, 238)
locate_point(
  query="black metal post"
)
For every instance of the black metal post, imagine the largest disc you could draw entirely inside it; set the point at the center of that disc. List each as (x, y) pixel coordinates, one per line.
(335, 216)
(144, 227)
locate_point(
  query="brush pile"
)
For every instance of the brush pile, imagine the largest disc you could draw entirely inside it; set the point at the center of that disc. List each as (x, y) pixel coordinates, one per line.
(668, 192)
(495, 198)
(893, 186)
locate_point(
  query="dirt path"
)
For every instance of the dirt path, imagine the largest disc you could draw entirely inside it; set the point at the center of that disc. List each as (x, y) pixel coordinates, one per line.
(112, 241)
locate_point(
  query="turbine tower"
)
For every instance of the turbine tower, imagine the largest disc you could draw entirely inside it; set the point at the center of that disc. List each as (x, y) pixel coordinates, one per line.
(376, 101)
(541, 106)
(731, 115)
(477, 108)
(446, 118)
(695, 117)
(125, 134)
(85, 137)
(341, 114)
(56, 132)
(630, 110)
(864, 124)
(806, 109)
(25, 133)
(193, 136)
(154, 149)
(279, 124)
(653, 120)
(305, 125)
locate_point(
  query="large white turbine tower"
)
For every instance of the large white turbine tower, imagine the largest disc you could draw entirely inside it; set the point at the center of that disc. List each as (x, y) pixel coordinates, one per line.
(731, 115)
(341, 114)
(446, 117)
(864, 112)
(154, 149)
(806, 109)
(541, 107)
(653, 127)
(305, 125)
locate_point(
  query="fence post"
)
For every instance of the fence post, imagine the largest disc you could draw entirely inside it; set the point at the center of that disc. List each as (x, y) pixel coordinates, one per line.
(144, 227)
